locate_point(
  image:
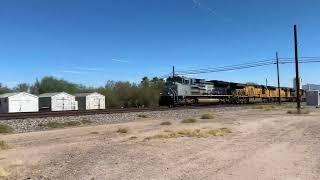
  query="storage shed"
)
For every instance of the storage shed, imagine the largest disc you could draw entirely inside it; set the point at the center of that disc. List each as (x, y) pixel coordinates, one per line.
(313, 98)
(90, 101)
(60, 101)
(18, 102)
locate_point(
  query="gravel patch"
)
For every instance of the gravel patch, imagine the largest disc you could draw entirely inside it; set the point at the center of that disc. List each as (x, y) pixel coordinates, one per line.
(32, 124)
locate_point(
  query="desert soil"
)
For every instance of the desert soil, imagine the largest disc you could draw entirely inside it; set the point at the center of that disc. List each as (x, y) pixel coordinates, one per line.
(262, 145)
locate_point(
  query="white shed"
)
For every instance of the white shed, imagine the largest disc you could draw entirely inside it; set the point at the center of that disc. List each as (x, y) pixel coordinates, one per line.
(89, 101)
(18, 102)
(60, 101)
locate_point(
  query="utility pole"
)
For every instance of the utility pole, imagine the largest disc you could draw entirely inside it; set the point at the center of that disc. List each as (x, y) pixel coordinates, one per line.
(278, 74)
(173, 74)
(297, 68)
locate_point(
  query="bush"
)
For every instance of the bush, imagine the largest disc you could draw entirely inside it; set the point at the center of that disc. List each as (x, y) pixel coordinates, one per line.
(4, 129)
(166, 123)
(122, 130)
(207, 116)
(190, 120)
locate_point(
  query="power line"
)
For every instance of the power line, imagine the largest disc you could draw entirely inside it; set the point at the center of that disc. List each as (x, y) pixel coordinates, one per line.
(260, 63)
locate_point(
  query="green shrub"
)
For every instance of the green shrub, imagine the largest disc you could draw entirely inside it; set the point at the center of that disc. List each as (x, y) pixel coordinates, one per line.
(4, 129)
(189, 120)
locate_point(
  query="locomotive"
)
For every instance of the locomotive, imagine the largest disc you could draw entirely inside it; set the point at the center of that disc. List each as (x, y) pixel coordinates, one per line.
(180, 90)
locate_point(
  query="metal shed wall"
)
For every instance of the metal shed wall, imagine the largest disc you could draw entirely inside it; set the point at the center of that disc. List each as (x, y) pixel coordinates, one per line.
(313, 98)
(63, 102)
(23, 102)
(95, 101)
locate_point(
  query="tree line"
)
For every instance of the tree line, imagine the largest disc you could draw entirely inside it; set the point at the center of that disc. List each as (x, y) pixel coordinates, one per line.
(118, 93)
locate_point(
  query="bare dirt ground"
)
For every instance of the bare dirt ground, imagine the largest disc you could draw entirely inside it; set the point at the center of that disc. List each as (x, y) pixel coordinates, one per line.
(262, 145)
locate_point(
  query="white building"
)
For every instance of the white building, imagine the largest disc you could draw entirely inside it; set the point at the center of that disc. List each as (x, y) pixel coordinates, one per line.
(57, 102)
(18, 102)
(89, 101)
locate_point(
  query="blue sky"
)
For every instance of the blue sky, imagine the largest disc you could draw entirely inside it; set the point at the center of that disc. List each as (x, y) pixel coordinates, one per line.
(90, 42)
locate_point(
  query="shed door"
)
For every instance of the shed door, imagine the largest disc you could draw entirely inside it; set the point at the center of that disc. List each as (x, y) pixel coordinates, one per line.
(19, 105)
(61, 103)
(97, 103)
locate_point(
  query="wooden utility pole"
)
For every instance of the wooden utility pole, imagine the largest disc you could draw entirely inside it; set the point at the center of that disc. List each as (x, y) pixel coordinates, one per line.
(297, 68)
(278, 74)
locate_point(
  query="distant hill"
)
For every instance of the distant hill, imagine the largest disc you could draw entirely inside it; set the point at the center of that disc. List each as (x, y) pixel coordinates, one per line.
(311, 87)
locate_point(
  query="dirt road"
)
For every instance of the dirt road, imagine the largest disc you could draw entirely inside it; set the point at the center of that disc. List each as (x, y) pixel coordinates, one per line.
(262, 145)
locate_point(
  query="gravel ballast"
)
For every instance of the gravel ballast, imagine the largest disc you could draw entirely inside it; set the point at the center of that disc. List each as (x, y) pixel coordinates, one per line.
(36, 124)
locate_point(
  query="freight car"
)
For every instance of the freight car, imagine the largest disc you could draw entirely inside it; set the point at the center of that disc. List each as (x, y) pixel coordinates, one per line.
(186, 91)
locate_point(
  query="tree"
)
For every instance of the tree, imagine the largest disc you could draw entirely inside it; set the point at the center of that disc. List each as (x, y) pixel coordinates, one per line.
(34, 89)
(23, 87)
(4, 89)
(51, 84)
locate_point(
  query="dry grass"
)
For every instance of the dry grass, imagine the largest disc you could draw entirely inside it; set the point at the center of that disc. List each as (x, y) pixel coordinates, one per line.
(189, 120)
(94, 132)
(302, 111)
(166, 123)
(3, 173)
(133, 137)
(199, 133)
(58, 125)
(122, 130)
(4, 129)
(143, 116)
(265, 107)
(4, 145)
(207, 116)
(86, 121)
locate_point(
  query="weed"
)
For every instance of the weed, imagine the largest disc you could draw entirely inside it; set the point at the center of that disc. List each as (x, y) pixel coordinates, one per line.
(57, 125)
(302, 111)
(4, 145)
(191, 133)
(265, 107)
(4, 129)
(86, 121)
(189, 120)
(166, 123)
(122, 130)
(133, 137)
(143, 116)
(207, 116)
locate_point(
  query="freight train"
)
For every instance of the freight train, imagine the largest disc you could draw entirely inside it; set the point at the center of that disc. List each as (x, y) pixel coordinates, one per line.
(181, 90)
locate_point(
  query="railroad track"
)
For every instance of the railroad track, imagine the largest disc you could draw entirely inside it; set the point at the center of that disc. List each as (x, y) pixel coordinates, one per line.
(8, 116)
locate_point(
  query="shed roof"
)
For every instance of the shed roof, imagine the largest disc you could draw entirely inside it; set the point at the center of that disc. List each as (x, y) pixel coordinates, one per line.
(86, 94)
(6, 95)
(53, 94)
